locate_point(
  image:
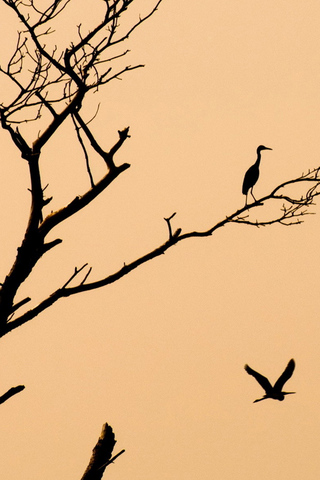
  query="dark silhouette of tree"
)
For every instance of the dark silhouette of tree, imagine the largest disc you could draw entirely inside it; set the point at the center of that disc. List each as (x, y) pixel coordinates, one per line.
(50, 85)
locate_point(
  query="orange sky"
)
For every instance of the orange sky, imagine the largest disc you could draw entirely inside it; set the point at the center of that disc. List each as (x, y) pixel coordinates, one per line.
(160, 354)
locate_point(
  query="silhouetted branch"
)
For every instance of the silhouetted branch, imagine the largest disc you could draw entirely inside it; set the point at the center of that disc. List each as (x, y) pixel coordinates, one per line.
(86, 156)
(20, 304)
(107, 156)
(78, 69)
(12, 391)
(57, 81)
(169, 224)
(75, 273)
(101, 455)
(141, 20)
(113, 459)
(293, 208)
(80, 202)
(290, 214)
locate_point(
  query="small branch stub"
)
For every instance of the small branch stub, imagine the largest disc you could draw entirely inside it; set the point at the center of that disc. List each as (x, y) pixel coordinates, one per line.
(12, 391)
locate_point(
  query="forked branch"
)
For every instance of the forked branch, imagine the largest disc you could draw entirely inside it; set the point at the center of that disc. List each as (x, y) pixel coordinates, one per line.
(291, 212)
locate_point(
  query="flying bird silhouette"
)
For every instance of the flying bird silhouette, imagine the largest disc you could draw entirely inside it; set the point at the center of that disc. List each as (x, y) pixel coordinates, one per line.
(275, 391)
(252, 174)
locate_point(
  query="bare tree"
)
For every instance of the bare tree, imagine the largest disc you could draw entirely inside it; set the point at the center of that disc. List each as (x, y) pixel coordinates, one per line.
(50, 85)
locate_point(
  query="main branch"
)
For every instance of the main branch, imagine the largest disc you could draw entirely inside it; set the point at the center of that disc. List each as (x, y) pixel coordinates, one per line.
(291, 212)
(33, 246)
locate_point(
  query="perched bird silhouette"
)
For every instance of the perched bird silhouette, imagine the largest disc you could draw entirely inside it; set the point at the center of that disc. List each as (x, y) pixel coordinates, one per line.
(275, 391)
(252, 174)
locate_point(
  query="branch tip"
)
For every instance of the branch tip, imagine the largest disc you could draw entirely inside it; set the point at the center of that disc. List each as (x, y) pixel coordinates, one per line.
(12, 391)
(169, 225)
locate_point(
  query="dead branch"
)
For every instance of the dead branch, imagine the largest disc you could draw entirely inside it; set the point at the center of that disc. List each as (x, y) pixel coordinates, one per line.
(75, 273)
(80, 67)
(33, 245)
(57, 80)
(291, 212)
(86, 156)
(101, 455)
(169, 224)
(12, 391)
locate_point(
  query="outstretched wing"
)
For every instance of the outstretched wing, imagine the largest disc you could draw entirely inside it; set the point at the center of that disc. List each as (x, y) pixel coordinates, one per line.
(264, 382)
(285, 376)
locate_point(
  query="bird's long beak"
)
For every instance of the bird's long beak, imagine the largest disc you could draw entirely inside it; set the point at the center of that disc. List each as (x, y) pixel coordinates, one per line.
(267, 148)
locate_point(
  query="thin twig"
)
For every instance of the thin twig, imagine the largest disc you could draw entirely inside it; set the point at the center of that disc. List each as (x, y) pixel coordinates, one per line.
(169, 224)
(75, 273)
(86, 156)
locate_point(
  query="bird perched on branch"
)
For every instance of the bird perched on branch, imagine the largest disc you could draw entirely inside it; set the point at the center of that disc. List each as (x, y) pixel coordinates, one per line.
(275, 391)
(252, 174)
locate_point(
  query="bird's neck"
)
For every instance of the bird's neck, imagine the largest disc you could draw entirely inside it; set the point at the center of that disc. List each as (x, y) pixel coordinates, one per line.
(258, 159)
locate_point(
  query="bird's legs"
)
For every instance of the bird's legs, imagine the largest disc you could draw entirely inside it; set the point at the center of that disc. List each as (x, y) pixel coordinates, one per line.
(253, 195)
(246, 204)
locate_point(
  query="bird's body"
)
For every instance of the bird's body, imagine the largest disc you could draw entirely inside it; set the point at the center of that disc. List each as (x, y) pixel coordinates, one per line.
(252, 174)
(275, 391)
